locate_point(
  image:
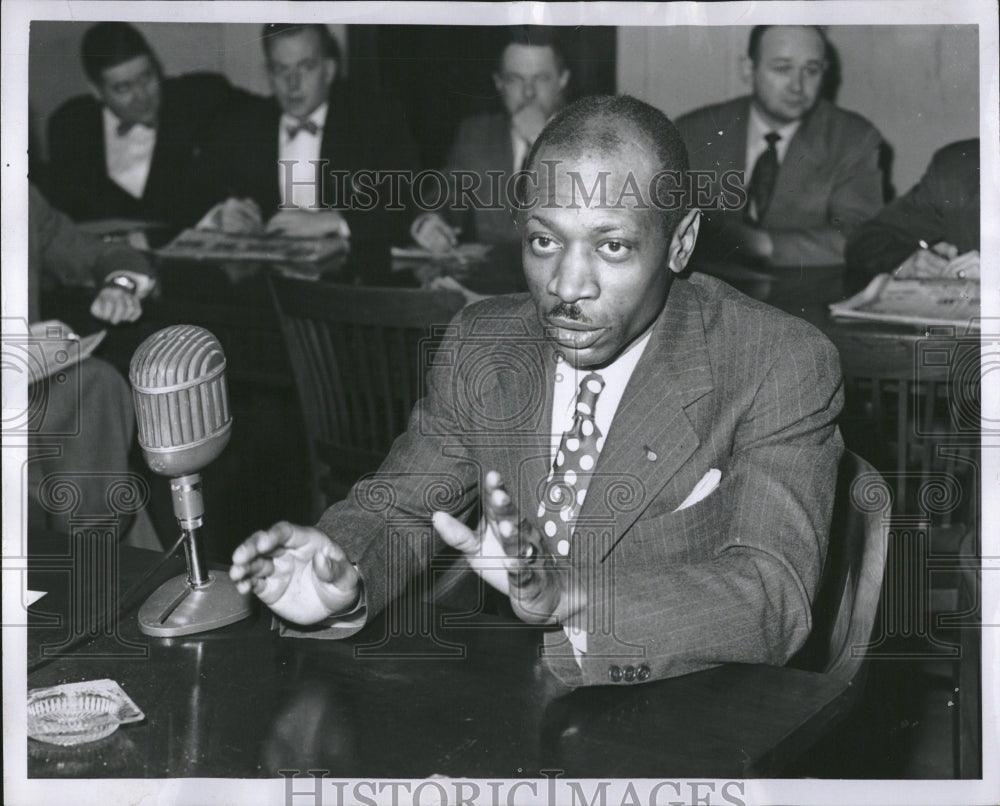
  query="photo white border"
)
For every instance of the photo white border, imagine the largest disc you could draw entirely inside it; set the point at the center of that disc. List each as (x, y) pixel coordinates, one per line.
(14, 103)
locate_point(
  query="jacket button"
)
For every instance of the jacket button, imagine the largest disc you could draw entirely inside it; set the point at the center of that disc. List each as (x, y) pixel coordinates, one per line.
(615, 674)
(629, 674)
(642, 673)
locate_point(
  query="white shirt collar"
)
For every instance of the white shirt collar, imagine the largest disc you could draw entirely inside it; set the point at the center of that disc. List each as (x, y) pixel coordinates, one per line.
(112, 123)
(616, 377)
(758, 127)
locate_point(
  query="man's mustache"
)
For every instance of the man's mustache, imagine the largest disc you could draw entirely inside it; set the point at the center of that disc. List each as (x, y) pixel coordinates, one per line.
(568, 310)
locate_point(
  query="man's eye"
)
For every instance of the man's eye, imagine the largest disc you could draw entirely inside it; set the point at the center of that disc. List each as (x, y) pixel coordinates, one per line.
(781, 68)
(542, 244)
(813, 71)
(614, 249)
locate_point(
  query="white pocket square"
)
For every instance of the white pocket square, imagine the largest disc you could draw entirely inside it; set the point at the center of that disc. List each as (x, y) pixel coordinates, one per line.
(702, 489)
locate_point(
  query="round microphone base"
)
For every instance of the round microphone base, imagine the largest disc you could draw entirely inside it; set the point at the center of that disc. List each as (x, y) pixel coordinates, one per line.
(175, 608)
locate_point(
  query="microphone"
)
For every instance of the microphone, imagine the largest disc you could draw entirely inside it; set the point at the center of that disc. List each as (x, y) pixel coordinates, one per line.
(178, 378)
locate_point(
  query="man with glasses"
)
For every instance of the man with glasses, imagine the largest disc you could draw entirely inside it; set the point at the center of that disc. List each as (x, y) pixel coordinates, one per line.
(531, 79)
(305, 162)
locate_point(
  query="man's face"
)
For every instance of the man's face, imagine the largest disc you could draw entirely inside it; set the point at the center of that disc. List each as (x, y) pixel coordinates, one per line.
(132, 90)
(530, 75)
(598, 275)
(787, 74)
(300, 75)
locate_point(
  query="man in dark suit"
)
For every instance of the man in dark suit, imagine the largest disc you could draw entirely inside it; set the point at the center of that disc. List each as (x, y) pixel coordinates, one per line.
(810, 169)
(932, 230)
(694, 536)
(304, 162)
(135, 149)
(531, 78)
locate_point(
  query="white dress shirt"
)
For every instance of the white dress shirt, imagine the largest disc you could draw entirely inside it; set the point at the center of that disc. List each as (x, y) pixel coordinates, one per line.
(303, 151)
(565, 389)
(128, 156)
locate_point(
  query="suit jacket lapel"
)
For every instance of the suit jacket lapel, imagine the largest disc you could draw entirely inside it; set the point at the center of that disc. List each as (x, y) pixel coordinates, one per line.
(651, 436)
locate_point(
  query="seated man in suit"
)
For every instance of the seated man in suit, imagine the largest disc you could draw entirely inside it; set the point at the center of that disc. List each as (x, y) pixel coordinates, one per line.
(932, 230)
(134, 149)
(810, 169)
(84, 421)
(654, 453)
(304, 162)
(531, 78)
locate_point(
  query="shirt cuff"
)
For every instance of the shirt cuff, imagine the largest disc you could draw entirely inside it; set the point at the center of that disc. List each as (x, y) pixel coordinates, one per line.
(144, 284)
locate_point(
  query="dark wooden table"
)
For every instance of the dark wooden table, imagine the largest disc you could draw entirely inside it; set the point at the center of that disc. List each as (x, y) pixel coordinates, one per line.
(476, 702)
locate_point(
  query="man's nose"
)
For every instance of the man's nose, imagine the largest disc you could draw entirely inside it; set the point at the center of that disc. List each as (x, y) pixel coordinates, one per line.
(294, 80)
(529, 90)
(574, 278)
(797, 80)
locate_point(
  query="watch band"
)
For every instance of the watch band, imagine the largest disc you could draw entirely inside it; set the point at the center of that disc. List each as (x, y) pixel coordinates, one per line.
(122, 281)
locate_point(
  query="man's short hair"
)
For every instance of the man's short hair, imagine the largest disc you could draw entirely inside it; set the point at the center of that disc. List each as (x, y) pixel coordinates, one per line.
(327, 42)
(108, 44)
(536, 36)
(758, 31)
(609, 122)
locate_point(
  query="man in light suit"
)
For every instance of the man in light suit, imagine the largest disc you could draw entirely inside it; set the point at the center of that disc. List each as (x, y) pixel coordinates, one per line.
(289, 164)
(810, 169)
(694, 536)
(531, 79)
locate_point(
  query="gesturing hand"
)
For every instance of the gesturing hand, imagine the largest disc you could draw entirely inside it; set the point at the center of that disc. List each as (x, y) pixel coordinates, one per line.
(297, 571)
(508, 552)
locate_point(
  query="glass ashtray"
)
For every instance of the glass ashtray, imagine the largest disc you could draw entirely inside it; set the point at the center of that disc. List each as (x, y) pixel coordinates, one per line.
(75, 713)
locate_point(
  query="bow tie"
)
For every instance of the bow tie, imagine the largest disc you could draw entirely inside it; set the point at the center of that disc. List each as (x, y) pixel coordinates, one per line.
(305, 125)
(125, 127)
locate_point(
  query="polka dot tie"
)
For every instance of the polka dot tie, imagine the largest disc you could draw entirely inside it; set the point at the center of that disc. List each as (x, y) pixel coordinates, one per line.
(572, 470)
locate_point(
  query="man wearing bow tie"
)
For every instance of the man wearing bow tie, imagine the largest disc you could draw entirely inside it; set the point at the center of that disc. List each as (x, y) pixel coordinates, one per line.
(135, 148)
(289, 164)
(653, 454)
(810, 169)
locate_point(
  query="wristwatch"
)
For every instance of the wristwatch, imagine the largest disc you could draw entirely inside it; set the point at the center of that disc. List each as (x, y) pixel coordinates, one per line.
(122, 281)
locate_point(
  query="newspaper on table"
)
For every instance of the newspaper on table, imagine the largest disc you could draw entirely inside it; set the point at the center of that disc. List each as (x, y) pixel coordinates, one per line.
(915, 302)
(200, 244)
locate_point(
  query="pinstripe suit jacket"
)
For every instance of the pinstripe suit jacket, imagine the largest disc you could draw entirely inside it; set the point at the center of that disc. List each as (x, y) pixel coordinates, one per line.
(725, 382)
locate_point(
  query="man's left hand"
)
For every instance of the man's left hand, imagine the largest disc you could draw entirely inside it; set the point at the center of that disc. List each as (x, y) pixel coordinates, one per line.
(508, 552)
(308, 224)
(115, 305)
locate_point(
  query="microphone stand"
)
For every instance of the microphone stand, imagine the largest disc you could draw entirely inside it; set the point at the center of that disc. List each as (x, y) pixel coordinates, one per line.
(206, 598)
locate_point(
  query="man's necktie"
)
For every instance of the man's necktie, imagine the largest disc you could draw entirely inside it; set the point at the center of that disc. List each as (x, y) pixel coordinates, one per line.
(765, 173)
(303, 126)
(572, 469)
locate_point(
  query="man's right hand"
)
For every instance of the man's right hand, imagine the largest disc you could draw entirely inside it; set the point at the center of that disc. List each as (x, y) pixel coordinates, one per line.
(235, 216)
(297, 571)
(932, 262)
(433, 233)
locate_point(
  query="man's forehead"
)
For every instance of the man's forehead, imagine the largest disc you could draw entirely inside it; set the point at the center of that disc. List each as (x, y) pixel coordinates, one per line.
(127, 70)
(522, 58)
(788, 41)
(302, 44)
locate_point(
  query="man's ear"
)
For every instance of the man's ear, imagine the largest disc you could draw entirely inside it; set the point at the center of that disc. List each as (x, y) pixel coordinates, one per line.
(498, 82)
(95, 91)
(746, 69)
(682, 244)
(564, 80)
(331, 70)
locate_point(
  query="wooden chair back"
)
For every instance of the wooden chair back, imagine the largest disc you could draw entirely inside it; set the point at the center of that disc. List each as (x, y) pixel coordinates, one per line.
(357, 356)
